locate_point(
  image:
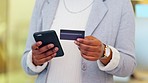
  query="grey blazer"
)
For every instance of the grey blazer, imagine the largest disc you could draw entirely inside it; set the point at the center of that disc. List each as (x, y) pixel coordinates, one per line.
(111, 21)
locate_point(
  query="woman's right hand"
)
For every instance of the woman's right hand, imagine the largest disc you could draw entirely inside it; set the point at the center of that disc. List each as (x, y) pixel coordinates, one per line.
(43, 54)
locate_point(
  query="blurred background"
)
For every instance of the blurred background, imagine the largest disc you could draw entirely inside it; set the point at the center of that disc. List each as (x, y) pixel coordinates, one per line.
(14, 24)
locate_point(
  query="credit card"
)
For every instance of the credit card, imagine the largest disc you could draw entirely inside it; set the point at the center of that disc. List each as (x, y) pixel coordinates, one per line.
(71, 34)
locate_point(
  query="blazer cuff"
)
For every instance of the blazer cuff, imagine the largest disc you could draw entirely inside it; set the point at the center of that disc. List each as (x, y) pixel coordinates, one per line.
(34, 68)
(114, 62)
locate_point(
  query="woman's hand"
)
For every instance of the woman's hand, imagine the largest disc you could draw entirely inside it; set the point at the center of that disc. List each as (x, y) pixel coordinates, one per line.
(43, 54)
(90, 47)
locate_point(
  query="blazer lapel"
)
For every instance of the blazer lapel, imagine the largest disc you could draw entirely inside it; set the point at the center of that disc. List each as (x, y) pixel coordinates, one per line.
(49, 13)
(98, 12)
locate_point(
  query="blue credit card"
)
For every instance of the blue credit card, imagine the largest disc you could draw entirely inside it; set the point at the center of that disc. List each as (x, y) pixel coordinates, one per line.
(71, 34)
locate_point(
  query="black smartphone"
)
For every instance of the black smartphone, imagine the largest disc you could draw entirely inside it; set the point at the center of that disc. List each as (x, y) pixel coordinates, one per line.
(49, 37)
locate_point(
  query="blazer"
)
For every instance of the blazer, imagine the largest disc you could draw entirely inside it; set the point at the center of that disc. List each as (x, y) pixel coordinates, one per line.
(111, 21)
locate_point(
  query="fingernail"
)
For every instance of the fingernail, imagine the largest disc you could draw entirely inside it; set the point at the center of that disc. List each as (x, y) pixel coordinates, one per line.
(51, 45)
(39, 42)
(75, 42)
(54, 55)
(78, 39)
(56, 49)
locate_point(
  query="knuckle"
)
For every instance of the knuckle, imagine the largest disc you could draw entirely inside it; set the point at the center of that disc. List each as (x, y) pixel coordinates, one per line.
(79, 44)
(33, 52)
(86, 48)
(89, 42)
(38, 62)
(82, 46)
(40, 50)
(96, 48)
(82, 41)
(37, 57)
(47, 47)
(45, 54)
(47, 59)
(85, 52)
(32, 46)
(96, 55)
(52, 51)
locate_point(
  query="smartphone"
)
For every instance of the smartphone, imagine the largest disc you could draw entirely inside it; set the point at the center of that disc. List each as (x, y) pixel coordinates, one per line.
(49, 37)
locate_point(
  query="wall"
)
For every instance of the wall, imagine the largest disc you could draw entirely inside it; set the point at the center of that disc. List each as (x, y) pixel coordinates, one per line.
(14, 23)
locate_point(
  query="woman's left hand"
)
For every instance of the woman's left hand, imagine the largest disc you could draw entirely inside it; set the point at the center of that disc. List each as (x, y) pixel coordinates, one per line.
(90, 47)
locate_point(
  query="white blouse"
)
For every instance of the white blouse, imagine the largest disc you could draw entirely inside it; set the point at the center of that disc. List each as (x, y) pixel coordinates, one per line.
(67, 69)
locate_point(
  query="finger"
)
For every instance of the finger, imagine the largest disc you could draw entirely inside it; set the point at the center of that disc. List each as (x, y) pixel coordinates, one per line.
(42, 61)
(45, 48)
(89, 48)
(90, 58)
(92, 54)
(36, 45)
(90, 37)
(51, 52)
(77, 43)
(89, 42)
(48, 53)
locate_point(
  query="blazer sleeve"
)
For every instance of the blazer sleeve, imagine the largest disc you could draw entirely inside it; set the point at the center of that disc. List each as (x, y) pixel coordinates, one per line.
(125, 42)
(34, 26)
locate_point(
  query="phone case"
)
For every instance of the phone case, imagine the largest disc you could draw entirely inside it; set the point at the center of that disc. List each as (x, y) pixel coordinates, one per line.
(48, 37)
